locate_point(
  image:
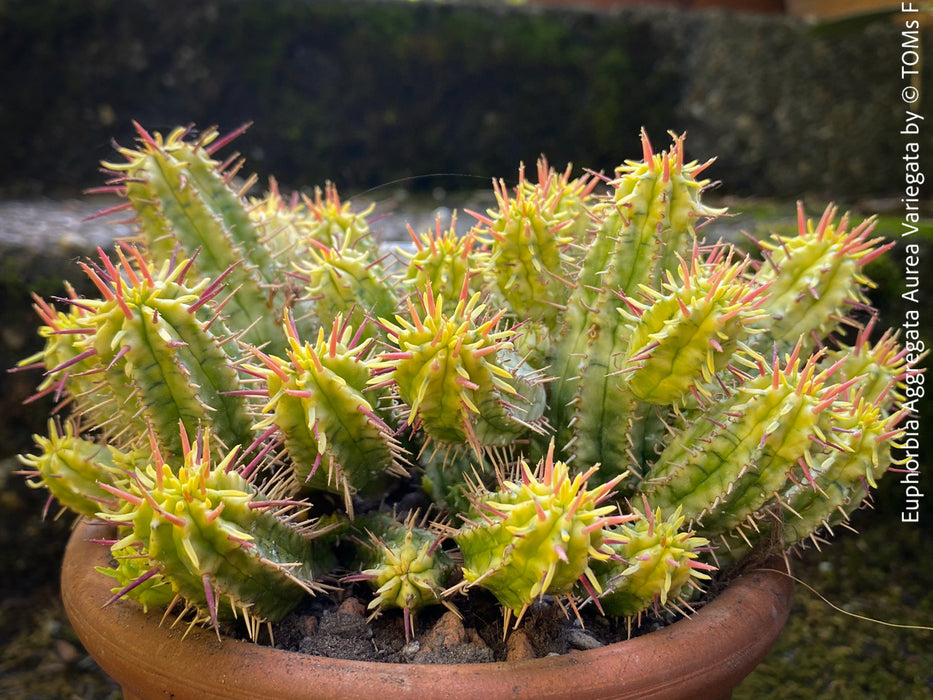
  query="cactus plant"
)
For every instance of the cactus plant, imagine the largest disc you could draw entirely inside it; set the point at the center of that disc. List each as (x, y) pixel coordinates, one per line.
(249, 359)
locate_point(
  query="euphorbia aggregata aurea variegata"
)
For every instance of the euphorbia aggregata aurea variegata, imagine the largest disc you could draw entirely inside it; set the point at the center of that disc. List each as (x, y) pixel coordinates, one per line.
(595, 402)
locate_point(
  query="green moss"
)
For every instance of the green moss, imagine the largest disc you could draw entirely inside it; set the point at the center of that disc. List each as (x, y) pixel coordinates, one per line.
(883, 573)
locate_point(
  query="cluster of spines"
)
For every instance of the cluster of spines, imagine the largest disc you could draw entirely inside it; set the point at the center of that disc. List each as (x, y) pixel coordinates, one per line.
(654, 565)
(183, 199)
(405, 566)
(332, 222)
(822, 265)
(529, 242)
(147, 354)
(346, 280)
(213, 536)
(317, 401)
(74, 469)
(537, 535)
(448, 369)
(687, 331)
(444, 261)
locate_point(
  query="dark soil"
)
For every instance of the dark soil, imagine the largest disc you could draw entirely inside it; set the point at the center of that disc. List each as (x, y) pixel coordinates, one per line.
(472, 634)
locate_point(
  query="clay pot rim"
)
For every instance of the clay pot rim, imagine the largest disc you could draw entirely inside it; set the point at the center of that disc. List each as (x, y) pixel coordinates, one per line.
(720, 644)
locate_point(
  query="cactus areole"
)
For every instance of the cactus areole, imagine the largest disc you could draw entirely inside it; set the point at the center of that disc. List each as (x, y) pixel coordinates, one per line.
(577, 400)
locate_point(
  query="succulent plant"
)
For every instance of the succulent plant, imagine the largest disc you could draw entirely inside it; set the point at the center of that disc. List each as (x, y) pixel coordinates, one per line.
(260, 384)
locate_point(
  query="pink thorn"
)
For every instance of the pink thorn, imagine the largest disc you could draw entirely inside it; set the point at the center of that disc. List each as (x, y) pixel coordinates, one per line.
(561, 554)
(98, 282)
(120, 493)
(592, 594)
(130, 586)
(314, 467)
(299, 394)
(466, 383)
(827, 217)
(185, 444)
(224, 140)
(647, 152)
(212, 289)
(211, 603)
(109, 210)
(212, 515)
(694, 564)
(73, 361)
(145, 135)
(801, 219)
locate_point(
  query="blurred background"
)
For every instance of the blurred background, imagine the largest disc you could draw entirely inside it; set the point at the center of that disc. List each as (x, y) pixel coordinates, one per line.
(414, 107)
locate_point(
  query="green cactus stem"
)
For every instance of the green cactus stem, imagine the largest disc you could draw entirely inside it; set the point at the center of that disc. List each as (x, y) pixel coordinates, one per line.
(136, 579)
(842, 481)
(654, 560)
(73, 469)
(215, 537)
(647, 219)
(334, 437)
(537, 535)
(69, 367)
(528, 242)
(156, 355)
(334, 224)
(182, 198)
(690, 329)
(444, 261)
(405, 566)
(737, 457)
(452, 372)
(344, 281)
(822, 264)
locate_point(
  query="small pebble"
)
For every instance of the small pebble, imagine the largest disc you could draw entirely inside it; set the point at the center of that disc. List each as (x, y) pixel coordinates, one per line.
(579, 639)
(518, 647)
(352, 606)
(447, 632)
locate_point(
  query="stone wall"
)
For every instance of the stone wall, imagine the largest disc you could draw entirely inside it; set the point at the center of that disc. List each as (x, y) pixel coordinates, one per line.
(367, 92)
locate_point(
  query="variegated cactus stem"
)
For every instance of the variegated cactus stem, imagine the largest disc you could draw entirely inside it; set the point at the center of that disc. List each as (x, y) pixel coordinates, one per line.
(690, 329)
(67, 366)
(642, 227)
(538, 535)
(529, 236)
(445, 261)
(451, 369)
(347, 281)
(279, 219)
(405, 565)
(320, 402)
(148, 353)
(866, 432)
(223, 546)
(160, 351)
(334, 223)
(655, 564)
(844, 479)
(738, 457)
(822, 265)
(183, 198)
(74, 469)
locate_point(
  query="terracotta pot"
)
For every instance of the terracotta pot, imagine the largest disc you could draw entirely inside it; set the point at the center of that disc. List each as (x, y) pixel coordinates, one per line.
(701, 657)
